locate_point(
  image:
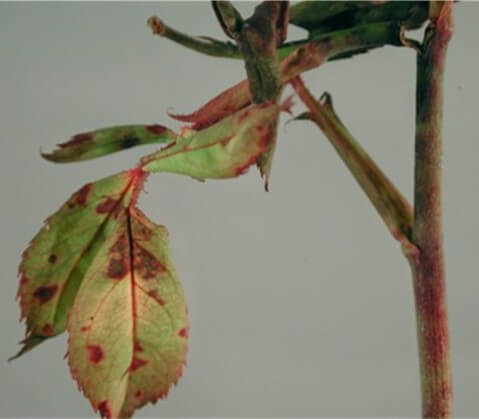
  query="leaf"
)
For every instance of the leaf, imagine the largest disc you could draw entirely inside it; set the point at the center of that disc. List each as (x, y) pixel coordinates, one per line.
(225, 149)
(90, 145)
(221, 106)
(320, 17)
(128, 326)
(53, 265)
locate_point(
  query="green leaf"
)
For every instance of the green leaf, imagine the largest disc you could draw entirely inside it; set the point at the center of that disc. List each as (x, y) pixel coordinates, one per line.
(128, 327)
(223, 150)
(90, 145)
(53, 266)
(320, 17)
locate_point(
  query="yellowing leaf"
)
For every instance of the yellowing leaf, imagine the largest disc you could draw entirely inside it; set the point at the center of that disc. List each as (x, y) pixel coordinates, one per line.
(53, 266)
(225, 149)
(128, 327)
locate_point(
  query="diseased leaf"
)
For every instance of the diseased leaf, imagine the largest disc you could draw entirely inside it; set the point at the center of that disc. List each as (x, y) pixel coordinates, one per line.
(90, 145)
(221, 106)
(225, 149)
(320, 17)
(128, 327)
(53, 265)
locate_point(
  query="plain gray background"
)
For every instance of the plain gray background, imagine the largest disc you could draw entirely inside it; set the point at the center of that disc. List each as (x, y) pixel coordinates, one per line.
(300, 301)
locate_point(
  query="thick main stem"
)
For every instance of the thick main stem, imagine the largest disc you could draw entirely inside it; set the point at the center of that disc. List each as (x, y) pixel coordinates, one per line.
(427, 262)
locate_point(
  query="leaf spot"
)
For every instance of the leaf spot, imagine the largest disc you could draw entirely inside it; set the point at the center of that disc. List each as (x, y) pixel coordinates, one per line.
(183, 333)
(85, 328)
(146, 264)
(129, 141)
(104, 409)
(52, 258)
(48, 330)
(44, 294)
(109, 206)
(137, 363)
(95, 353)
(118, 267)
(156, 129)
(154, 294)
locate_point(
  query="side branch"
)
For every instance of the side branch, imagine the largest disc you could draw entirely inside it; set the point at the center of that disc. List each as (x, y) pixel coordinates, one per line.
(203, 45)
(428, 263)
(393, 208)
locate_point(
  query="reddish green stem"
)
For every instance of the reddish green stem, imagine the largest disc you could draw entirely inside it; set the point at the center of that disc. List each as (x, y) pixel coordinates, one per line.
(427, 262)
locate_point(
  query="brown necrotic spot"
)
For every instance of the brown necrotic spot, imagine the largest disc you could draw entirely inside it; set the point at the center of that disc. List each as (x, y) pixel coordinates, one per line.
(23, 281)
(48, 330)
(138, 394)
(118, 266)
(109, 206)
(77, 140)
(156, 129)
(145, 263)
(137, 363)
(85, 328)
(44, 294)
(104, 409)
(80, 197)
(95, 353)
(52, 258)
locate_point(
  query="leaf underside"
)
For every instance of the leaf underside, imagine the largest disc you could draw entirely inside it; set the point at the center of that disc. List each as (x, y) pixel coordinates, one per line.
(223, 150)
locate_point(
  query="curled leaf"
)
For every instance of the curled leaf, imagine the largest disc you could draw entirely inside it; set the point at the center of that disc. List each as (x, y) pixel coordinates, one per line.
(128, 327)
(54, 264)
(221, 106)
(90, 145)
(320, 17)
(225, 149)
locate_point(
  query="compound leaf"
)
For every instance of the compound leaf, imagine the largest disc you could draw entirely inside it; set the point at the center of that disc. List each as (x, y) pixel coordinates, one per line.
(90, 145)
(128, 327)
(53, 265)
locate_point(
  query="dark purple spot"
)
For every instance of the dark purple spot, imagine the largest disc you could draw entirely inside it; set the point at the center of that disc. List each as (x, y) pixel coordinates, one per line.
(104, 409)
(80, 197)
(145, 264)
(156, 129)
(45, 294)
(137, 363)
(129, 142)
(117, 269)
(109, 206)
(95, 353)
